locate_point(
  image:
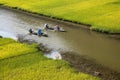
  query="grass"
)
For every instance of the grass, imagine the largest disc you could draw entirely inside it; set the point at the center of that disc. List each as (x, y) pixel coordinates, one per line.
(34, 66)
(103, 15)
(11, 48)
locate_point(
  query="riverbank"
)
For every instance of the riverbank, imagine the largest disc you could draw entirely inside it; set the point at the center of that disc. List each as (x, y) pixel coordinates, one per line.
(103, 15)
(89, 66)
(23, 61)
(60, 21)
(81, 63)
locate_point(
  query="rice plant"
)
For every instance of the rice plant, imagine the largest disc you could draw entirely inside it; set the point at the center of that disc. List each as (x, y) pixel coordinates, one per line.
(10, 48)
(103, 15)
(36, 67)
(29, 64)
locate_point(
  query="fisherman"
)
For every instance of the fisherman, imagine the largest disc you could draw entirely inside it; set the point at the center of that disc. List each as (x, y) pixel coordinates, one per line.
(40, 33)
(57, 28)
(45, 27)
(30, 31)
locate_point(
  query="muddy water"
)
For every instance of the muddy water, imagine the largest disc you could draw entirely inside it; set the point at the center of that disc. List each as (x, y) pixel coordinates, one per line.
(99, 47)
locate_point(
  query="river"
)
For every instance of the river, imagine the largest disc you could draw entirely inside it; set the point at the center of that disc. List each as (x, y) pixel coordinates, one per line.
(100, 47)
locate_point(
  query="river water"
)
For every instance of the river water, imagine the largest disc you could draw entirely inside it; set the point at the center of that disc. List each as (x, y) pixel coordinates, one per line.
(99, 47)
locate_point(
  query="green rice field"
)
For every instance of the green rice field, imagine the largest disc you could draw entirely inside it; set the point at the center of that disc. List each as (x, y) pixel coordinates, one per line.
(102, 15)
(11, 48)
(24, 62)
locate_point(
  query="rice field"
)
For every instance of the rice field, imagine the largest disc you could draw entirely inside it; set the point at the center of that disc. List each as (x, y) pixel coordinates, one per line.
(11, 48)
(23, 62)
(102, 15)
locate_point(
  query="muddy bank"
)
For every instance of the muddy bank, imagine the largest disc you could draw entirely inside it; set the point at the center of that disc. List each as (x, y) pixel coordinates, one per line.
(85, 65)
(80, 63)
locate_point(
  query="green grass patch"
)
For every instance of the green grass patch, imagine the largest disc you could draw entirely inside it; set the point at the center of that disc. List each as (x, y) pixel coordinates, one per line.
(103, 15)
(10, 48)
(36, 67)
(4, 41)
(32, 65)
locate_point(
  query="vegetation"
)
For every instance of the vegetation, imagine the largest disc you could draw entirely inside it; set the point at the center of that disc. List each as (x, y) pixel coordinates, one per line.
(103, 15)
(10, 48)
(33, 65)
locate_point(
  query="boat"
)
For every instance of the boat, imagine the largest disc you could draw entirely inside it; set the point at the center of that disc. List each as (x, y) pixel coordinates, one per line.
(60, 30)
(35, 33)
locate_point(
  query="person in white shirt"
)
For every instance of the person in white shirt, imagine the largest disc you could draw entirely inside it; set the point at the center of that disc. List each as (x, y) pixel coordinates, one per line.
(45, 27)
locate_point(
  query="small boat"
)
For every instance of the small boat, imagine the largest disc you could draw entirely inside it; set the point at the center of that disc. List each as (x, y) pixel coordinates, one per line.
(60, 30)
(43, 34)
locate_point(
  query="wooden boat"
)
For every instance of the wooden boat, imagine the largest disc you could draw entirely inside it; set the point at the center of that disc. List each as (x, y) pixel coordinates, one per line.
(35, 33)
(60, 30)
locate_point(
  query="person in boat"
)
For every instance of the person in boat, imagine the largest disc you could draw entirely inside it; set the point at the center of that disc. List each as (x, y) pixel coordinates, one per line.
(30, 31)
(45, 27)
(57, 28)
(40, 33)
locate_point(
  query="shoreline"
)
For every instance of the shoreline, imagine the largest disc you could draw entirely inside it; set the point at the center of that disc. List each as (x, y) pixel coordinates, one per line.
(37, 15)
(81, 63)
(89, 66)
(58, 20)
